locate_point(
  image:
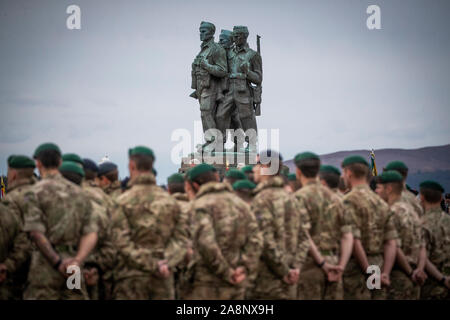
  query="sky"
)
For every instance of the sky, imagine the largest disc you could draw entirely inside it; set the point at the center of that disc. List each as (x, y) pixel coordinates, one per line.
(124, 78)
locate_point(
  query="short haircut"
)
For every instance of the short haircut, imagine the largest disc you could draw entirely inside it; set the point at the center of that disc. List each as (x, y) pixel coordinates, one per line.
(359, 170)
(331, 179)
(309, 167)
(341, 186)
(50, 159)
(176, 187)
(72, 176)
(205, 177)
(143, 162)
(112, 175)
(430, 195)
(89, 174)
(397, 187)
(403, 172)
(24, 173)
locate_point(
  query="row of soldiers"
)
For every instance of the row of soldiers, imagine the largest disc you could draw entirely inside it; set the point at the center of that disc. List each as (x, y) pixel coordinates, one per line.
(257, 234)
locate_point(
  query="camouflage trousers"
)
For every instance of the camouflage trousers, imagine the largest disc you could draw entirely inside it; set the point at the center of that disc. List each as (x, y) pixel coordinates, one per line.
(202, 291)
(144, 288)
(269, 286)
(433, 290)
(402, 287)
(355, 283)
(314, 285)
(46, 283)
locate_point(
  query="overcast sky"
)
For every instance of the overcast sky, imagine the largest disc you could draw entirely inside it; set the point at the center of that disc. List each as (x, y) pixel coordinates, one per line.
(329, 83)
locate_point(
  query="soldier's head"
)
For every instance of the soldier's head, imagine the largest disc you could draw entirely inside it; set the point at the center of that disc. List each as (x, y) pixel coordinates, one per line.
(233, 175)
(226, 39)
(72, 171)
(107, 174)
(268, 163)
(207, 30)
(90, 169)
(19, 167)
(329, 176)
(355, 170)
(175, 183)
(48, 157)
(293, 182)
(141, 160)
(430, 193)
(248, 171)
(72, 157)
(240, 35)
(389, 185)
(200, 175)
(398, 166)
(244, 189)
(308, 165)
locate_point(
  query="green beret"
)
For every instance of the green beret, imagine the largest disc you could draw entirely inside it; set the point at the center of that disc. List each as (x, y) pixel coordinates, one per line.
(72, 157)
(20, 162)
(354, 159)
(199, 169)
(305, 156)
(390, 176)
(247, 169)
(330, 169)
(175, 178)
(70, 166)
(292, 177)
(244, 184)
(396, 165)
(433, 185)
(45, 147)
(240, 29)
(141, 150)
(210, 25)
(235, 174)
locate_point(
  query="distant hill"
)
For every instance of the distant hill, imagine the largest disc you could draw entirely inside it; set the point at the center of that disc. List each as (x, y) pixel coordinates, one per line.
(424, 163)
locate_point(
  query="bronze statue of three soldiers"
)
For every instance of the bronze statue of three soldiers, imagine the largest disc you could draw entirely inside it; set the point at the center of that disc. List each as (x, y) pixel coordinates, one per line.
(227, 79)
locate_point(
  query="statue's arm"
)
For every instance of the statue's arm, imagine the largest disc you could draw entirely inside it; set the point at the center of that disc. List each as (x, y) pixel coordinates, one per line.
(219, 66)
(255, 74)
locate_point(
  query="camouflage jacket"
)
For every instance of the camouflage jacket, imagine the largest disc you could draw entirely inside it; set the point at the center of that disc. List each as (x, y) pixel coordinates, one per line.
(285, 231)
(14, 244)
(147, 228)
(409, 229)
(437, 238)
(58, 208)
(327, 216)
(104, 254)
(185, 206)
(226, 235)
(113, 190)
(373, 220)
(408, 196)
(16, 195)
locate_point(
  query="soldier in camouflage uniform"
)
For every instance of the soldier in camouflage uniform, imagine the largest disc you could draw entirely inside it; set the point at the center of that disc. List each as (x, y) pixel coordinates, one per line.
(437, 239)
(329, 176)
(227, 242)
(244, 190)
(20, 182)
(331, 233)
(59, 220)
(14, 252)
(407, 196)
(101, 262)
(175, 187)
(374, 232)
(108, 179)
(285, 232)
(411, 253)
(149, 234)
